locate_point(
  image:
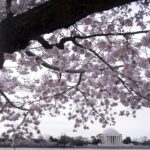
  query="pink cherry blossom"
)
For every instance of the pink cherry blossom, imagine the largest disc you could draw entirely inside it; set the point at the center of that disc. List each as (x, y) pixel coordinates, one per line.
(85, 71)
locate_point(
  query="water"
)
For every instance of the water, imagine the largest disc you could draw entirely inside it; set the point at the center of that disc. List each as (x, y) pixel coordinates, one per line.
(64, 149)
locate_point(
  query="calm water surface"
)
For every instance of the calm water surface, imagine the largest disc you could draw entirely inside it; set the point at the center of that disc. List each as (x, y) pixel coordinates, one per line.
(62, 149)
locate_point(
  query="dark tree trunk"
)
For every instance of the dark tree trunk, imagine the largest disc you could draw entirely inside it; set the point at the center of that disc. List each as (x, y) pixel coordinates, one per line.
(16, 32)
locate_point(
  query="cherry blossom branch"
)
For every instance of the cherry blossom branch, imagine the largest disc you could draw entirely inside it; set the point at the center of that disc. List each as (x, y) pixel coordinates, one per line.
(111, 34)
(46, 65)
(126, 86)
(129, 88)
(75, 86)
(59, 45)
(44, 43)
(1, 111)
(83, 94)
(46, 18)
(112, 68)
(8, 4)
(23, 120)
(8, 8)
(60, 74)
(55, 68)
(62, 41)
(96, 54)
(65, 91)
(1, 60)
(11, 103)
(80, 78)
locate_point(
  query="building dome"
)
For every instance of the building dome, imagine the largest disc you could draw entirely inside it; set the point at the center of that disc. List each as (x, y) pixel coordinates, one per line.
(110, 137)
(110, 131)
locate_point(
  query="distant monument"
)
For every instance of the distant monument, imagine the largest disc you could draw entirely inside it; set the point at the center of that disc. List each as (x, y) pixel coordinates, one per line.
(110, 137)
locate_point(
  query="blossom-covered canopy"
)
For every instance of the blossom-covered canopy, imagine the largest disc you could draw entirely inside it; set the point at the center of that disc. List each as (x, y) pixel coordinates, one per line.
(73, 57)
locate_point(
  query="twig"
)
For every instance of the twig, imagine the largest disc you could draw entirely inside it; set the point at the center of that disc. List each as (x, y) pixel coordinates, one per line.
(11, 103)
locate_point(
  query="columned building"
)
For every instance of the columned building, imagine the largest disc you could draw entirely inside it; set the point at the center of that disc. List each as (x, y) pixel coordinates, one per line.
(110, 137)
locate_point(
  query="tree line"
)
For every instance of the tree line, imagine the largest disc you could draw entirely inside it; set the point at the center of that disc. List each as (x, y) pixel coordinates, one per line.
(67, 141)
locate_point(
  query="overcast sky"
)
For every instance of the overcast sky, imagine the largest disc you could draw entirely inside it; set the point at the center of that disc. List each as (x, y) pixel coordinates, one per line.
(127, 126)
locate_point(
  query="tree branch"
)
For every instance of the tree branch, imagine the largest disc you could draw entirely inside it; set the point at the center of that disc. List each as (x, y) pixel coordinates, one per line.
(46, 18)
(62, 41)
(80, 78)
(113, 69)
(55, 68)
(3, 107)
(93, 108)
(11, 103)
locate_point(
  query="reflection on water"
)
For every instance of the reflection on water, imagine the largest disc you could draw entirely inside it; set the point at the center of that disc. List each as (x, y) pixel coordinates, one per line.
(61, 149)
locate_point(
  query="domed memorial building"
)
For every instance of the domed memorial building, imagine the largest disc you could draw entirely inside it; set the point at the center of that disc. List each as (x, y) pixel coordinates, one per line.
(110, 137)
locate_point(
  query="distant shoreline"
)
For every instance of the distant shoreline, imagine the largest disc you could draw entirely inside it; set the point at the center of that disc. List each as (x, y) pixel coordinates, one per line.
(82, 147)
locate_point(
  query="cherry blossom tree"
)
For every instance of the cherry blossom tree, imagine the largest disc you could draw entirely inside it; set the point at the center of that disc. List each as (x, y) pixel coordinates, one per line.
(80, 58)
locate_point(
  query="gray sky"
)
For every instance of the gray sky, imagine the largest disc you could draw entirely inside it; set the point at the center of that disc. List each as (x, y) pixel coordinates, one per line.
(127, 126)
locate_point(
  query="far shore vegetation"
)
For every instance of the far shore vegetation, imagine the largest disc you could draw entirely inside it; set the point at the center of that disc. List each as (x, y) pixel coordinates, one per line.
(67, 141)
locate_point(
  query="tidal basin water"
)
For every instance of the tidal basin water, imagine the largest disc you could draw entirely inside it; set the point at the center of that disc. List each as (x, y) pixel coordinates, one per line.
(66, 149)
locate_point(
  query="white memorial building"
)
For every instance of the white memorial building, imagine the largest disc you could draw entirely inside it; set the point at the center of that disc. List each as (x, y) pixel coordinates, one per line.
(110, 137)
